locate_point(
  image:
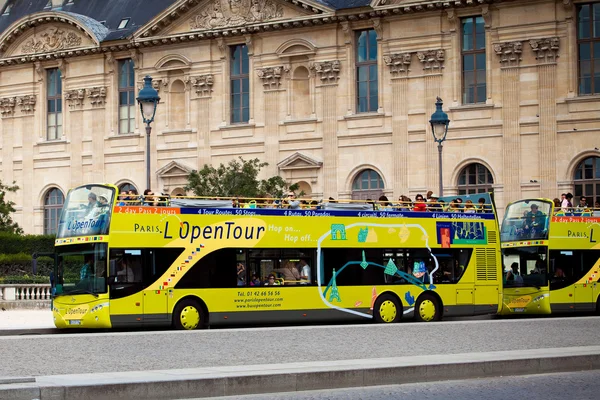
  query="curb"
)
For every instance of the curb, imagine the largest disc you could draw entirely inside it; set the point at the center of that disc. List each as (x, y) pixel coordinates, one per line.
(275, 378)
(29, 331)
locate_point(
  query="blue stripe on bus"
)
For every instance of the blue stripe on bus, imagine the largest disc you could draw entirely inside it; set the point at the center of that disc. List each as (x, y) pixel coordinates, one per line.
(334, 213)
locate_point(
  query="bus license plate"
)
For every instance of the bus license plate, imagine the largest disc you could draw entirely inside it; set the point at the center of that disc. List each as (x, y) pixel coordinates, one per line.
(519, 310)
(75, 322)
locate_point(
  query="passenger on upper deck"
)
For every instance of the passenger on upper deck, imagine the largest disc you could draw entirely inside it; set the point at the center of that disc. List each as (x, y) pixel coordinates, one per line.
(92, 203)
(419, 203)
(291, 201)
(534, 220)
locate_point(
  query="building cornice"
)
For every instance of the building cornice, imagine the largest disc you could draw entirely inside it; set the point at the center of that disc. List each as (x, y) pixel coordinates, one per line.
(321, 16)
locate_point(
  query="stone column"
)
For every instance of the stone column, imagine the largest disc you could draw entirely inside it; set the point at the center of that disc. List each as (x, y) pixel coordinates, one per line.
(327, 75)
(433, 63)
(271, 81)
(73, 125)
(96, 125)
(7, 110)
(202, 85)
(399, 64)
(546, 51)
(510, 56)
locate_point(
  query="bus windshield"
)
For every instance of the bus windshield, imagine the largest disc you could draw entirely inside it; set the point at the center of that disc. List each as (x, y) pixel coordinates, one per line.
(81, 269)
(526, 220)
(86, 212)
(525, 266)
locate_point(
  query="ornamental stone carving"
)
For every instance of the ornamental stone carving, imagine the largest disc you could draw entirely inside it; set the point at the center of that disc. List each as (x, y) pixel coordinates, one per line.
(509, 53)
(7, 106)
(157, 83)
(74, 98)
(27, 103)
(398, 62)
(203, 84)
(327, 71)
(97, 95)
(271, 76)
(51, 40)
(226, 13)
(546, 50)
(432, 59)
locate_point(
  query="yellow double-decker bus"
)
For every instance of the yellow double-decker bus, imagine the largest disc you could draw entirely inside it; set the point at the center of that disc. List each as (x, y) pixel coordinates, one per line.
(190, 263)
(551, 258)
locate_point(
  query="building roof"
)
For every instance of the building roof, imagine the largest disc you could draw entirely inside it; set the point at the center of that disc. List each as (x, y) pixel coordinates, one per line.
(92, 13)
(341, 4)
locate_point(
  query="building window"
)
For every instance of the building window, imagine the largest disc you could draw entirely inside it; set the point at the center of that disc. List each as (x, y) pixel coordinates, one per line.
(473, 60)
(126, 96)
(53, 204)
(54, 97)
(366, 71)
(240, 84)
(588, 41)
(475, 178)
(587, 181)
(126, 187)
(367, 185)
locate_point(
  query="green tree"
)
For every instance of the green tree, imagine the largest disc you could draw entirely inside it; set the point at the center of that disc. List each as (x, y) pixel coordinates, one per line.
(238, 178)
(6, 209)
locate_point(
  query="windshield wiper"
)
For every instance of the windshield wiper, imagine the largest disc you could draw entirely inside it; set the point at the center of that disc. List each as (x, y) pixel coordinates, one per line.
(80, 291)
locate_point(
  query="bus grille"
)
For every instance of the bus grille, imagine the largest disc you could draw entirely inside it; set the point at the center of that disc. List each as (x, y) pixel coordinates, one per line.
(492, 237)
(486, 264)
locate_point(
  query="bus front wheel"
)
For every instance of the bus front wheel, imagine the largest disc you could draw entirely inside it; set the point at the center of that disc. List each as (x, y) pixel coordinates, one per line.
(428, 309)
(387, 309)
(188, 315)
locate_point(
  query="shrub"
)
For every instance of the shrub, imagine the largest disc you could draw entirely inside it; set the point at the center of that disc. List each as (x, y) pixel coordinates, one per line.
(28, 244)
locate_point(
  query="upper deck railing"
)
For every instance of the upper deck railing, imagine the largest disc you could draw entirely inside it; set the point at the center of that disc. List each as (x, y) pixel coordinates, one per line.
(288, 203)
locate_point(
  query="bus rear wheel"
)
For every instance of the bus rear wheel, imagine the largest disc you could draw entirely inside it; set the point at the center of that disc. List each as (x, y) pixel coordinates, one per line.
(428, 309)
(387, 309)
(188, 315)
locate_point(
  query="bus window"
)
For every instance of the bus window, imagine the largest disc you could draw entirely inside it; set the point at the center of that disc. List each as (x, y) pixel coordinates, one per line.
(525, 266)
(569, 266)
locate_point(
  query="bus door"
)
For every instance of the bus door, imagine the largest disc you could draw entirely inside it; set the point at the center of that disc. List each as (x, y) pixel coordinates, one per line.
(126, 286)
(155, 299)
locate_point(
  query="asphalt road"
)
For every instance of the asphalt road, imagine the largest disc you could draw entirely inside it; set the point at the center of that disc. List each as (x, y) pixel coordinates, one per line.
(564, 386)
(139, 351)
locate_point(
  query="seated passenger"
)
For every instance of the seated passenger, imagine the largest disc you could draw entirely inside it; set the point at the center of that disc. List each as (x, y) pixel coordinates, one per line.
(255, 281)
(559, 275)
(124, 273)
(291, 275)
(271, 281)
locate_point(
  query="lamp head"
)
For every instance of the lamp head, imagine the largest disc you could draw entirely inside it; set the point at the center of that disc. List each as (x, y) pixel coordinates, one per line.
(439, 122)
(148, 100)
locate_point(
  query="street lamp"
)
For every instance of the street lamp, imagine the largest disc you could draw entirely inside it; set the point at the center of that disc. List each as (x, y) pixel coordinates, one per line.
(439, 127)
(148, 100)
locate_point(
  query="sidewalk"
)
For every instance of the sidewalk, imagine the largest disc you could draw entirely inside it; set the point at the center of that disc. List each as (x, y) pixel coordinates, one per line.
(255, 379)
(26, 319)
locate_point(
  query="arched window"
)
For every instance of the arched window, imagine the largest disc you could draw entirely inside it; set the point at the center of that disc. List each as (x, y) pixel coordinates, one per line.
(475, 178)
(587, 180)
(367, 185)
(53, 204)
(126, 187)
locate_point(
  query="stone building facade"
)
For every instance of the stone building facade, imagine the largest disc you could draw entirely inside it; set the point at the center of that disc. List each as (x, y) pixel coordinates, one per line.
(335, 95)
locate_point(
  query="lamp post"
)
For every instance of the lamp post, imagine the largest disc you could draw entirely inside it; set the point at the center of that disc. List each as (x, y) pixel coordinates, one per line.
(148, 100)
(439, 128)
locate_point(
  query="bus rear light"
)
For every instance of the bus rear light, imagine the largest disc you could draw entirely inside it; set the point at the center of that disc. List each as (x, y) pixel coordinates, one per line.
(137, 304)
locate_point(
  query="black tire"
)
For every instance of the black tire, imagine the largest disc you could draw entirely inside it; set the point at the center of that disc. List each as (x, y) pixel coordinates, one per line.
(189, 315)
(598, 306)
(387, 309)
(428, 309)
